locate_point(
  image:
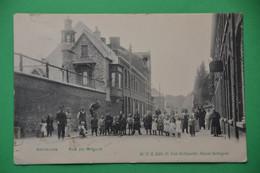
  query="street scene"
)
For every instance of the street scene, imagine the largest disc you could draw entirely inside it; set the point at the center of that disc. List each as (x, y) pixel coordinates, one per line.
(166, 88)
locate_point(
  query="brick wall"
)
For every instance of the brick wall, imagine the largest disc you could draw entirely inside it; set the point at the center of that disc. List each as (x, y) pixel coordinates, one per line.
(36, 97)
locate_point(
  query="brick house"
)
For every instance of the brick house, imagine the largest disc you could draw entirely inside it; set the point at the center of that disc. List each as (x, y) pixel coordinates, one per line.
(228, 72)
(123, 75)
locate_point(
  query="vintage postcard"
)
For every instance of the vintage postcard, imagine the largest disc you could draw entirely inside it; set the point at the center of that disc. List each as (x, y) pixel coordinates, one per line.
(128, 88)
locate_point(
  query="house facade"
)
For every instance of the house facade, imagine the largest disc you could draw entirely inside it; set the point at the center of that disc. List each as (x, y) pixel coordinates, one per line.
(87, 60)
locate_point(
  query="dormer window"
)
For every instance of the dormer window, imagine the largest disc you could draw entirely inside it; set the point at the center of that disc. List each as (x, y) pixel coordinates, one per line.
(84, 51)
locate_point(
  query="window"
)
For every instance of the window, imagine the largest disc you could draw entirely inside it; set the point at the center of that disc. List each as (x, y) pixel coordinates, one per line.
(84, 50)
(119, 80)
(126, 78)
(85, 78)
(68, 38)
(113, 79)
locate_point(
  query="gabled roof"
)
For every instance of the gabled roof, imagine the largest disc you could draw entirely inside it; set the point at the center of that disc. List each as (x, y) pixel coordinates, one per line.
(81, 28)
(55, 57)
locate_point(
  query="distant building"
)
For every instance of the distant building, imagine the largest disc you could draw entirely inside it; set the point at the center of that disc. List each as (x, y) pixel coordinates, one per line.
(227, 66)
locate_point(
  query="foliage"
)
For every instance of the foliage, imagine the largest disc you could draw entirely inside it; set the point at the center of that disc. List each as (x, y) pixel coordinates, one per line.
(202, 86)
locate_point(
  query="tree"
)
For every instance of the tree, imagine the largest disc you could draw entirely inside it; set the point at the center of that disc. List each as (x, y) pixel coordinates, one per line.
(202, 86)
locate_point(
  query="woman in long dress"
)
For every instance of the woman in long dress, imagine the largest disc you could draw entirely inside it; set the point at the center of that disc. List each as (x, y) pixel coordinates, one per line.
(215, 125)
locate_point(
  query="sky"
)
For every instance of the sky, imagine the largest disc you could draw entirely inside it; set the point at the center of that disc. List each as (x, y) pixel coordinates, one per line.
(178, 42)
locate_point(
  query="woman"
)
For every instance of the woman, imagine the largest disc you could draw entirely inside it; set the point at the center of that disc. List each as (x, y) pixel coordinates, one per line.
(215, 125)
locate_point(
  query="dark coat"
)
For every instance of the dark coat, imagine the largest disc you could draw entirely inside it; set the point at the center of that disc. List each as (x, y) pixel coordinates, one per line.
(49, 124)
(215, 125)
(61, 118)
(185, 121)
(108, 121)
(94, 123)
(148, 122)
(123, 123)
(202, 114)
(137, 124)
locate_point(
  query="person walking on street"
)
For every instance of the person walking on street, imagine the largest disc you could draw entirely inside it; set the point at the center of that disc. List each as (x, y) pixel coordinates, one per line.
(61, 121)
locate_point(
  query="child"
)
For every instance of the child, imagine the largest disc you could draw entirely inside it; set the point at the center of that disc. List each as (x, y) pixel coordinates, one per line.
(154, 125)
(192, 123)
(172, 126)
(101, 125)
(49, 125)
(43, 128)
(178, 127)
(82, 129)
(123, 125)
(94, 125)
(114, 126)
(130, 122)
(160, 125)
(167, 126)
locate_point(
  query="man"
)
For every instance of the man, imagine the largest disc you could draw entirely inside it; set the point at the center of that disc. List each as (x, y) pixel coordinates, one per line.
(108, 124)
(61, 121)
(82, 116)
(215, 125)
(137, 124)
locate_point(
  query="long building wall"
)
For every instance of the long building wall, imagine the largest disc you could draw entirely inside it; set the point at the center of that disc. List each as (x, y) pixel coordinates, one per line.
(227, 47)
(36, 97)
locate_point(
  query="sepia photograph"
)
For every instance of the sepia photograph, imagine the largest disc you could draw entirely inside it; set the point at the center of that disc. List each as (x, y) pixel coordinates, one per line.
(128, 88)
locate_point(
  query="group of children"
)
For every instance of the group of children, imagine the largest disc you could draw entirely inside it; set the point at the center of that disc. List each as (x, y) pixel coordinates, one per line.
(162, 124)
(108, 125)
(119, 125)
(46, 127)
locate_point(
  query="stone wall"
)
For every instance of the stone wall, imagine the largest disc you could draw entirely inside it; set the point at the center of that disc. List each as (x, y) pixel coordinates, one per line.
(35, 97)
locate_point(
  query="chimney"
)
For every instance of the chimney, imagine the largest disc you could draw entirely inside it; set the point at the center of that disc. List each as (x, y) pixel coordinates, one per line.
(103, 39)
(97, 33)
(114, 42)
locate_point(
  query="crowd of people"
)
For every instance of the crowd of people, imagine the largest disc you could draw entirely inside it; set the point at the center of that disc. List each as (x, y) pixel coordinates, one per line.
(158, 123)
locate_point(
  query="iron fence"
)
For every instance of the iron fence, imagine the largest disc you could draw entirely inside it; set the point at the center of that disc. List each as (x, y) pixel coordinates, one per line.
(29, 65)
